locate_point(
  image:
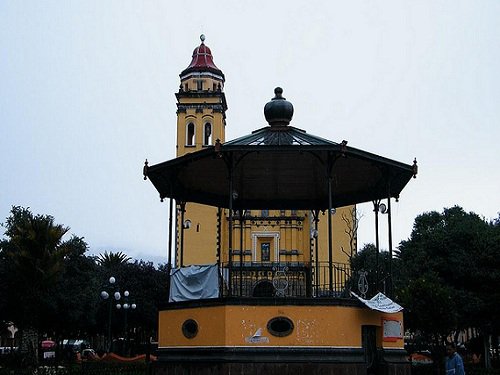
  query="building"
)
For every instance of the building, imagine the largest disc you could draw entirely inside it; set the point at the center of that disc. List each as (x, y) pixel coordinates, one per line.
(264, 227)
(268, 235)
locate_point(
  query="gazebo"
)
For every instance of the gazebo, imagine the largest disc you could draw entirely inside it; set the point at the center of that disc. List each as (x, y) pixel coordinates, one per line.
(318, 328)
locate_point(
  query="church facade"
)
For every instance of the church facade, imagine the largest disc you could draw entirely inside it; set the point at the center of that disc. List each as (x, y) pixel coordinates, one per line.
(273, 236)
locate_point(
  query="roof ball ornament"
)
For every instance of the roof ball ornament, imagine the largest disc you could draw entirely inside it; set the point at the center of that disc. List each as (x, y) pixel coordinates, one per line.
(202, 38)
(278, 111)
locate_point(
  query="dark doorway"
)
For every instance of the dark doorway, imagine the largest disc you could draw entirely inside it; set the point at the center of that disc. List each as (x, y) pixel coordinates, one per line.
(263, 288)
(369, 338)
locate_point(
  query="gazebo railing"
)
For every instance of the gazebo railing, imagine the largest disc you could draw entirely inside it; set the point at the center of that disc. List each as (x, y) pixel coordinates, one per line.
(285, 279)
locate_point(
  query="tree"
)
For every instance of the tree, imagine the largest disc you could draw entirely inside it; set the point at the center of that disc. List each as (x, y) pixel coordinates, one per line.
(365, 261)
(75, 297)
(450, 263)
(351, 219)
(34, 258)
(112, 260)
(49, 286)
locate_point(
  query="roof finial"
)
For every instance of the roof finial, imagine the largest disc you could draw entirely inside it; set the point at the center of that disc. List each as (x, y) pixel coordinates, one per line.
(278, 112)
(202, 38)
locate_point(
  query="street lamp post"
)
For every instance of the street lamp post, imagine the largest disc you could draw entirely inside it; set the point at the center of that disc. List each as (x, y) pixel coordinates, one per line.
(126, 306)
(105, 295)
(111, 294)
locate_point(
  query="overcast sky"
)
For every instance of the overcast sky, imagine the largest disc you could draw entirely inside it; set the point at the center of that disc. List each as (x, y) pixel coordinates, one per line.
(87, 94)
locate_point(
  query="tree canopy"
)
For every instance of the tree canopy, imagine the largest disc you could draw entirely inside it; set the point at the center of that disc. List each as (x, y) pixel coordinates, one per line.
(51, 286)
(447, 273)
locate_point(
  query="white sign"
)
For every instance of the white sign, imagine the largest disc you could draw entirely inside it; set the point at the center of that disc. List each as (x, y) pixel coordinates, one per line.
(392, 329)
(257, 338)
(47, 355)
(380, 303)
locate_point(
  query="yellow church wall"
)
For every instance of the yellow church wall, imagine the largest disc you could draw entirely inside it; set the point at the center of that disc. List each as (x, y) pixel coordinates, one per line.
(191, 84)
(200, 240)
(283, 232)
(203, 100)
(216, 119)
(292, 233)
(339, 236)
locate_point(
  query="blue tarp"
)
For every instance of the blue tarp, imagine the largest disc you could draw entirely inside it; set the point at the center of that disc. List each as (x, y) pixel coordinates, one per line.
(194, 282)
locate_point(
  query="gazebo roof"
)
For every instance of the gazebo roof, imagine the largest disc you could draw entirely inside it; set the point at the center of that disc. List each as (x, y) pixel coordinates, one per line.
(284, 136)
(280, 167)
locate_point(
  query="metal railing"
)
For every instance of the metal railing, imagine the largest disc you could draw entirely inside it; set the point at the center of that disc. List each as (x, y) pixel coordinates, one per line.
(286, 279)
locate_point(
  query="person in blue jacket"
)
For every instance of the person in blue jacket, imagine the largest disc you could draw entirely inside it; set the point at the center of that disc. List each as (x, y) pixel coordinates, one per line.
(454, 364)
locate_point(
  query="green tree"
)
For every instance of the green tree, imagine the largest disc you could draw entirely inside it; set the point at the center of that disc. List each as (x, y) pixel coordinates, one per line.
(112, 261)
(447, 273)
(75, 297)
(365, 260)
(34, 254)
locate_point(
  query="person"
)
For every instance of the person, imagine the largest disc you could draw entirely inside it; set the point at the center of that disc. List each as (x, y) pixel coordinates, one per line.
(454, 364)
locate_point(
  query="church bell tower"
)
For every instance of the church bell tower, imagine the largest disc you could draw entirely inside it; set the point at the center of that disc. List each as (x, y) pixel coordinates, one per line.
(201, 103)
(201, 121)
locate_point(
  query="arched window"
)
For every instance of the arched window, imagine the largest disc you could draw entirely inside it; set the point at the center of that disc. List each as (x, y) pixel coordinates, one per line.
(190, 134)
(207, 134)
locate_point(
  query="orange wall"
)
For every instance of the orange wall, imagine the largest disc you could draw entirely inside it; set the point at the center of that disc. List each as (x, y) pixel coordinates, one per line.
(336, 326)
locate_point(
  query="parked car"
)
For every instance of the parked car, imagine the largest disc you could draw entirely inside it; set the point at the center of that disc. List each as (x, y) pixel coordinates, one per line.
(4, 350)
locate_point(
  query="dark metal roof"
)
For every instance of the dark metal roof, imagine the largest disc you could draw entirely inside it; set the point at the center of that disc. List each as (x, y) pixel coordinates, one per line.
(279, 168)
(279, 136)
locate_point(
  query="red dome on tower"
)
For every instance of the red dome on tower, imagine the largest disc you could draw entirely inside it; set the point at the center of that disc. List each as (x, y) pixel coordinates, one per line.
(202, 61)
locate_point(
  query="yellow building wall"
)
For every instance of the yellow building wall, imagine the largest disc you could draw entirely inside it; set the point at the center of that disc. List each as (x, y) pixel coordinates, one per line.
(291, 234)
(191, 84)
(341, 244)
(200, 240)
(314, 326)
(199, 120)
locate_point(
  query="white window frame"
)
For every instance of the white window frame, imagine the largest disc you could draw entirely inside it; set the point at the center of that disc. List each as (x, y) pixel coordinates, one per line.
(257, 235)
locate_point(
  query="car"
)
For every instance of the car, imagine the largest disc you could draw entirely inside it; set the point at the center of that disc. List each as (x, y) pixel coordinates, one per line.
(4, 350)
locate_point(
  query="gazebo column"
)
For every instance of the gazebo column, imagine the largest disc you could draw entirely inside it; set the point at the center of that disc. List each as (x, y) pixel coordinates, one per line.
(316, 250)
(170, 238)
(176, 235)
(230, 222)
(389, 225)
(219, 239)
(170, 234)
(376, 205)
(183, 211)
(242, 222)
(330, 237)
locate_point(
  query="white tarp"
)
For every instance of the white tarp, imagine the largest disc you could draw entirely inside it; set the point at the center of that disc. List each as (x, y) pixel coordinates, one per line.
(194, 282)
(380, 303)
